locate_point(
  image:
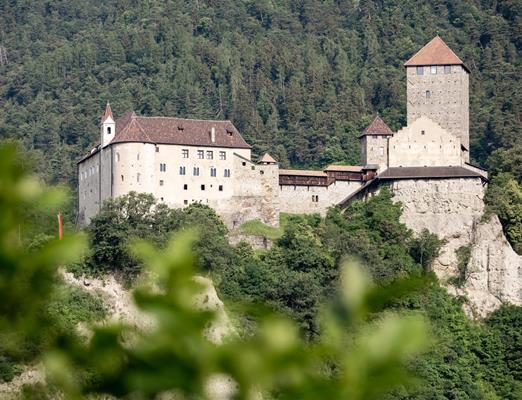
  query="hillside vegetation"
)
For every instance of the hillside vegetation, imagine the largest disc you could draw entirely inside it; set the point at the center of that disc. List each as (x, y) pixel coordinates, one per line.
(298, 78)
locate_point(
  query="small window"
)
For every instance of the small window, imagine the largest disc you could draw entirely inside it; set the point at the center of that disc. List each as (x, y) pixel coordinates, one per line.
(161, 182)
(108, 130)
(261, 172)
(227, 173)
(220, 188)
(157, 149)
(161, 198)
(185, 187)
(420, 70)
(202, 187)
(428, 94)
(163, 167)
(185, 153)
(433, 69)
(229, 132)
(213, 171)
(138, 156)
(185, 202)
(447, 69)
(243, 164)
(118, 157)
(182, 170)
(315, 198)
(122, 178)
(222, 155)
(423, 132)
(201, 154)
(210, 155)
(138, 175)
(381, 151)
(196, 171)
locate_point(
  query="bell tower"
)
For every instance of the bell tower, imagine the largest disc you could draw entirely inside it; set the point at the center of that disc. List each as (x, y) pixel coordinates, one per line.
(108, 126)
(438, 88)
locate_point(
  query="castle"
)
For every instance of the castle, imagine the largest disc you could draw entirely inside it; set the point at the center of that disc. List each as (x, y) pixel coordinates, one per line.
(181, 161)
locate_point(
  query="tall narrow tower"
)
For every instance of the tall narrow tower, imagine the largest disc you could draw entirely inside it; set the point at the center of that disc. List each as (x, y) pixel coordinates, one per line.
(438, 88)
(108, 126)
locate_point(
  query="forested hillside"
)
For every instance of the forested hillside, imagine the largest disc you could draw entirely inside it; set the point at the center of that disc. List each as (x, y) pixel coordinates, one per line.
(298, 78)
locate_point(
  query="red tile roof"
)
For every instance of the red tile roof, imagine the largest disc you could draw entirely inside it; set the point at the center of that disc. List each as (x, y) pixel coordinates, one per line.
(436, 52)
(302, 172)
(377, 127)
(267, 159)
(344, 168)
(170, 130)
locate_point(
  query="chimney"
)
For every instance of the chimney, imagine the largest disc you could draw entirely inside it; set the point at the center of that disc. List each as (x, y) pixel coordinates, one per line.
(213, 135)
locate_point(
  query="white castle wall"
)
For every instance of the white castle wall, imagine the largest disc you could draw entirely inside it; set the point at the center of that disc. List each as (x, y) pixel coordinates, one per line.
(424, 143)
(300, 200)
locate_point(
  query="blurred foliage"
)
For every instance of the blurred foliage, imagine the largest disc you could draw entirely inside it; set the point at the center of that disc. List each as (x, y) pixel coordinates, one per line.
(354, 358)
(35, 308)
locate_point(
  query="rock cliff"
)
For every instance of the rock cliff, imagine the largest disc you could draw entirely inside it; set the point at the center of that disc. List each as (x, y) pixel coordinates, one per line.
(454, 210)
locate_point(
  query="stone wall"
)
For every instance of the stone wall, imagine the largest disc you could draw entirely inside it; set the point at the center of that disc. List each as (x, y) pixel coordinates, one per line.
(453, 209)
(301, 200)
(440, 96)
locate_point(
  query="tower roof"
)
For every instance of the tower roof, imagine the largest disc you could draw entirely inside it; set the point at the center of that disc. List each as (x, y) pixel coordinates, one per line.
(436, 52)
(377, 127)
(267, 159)
(108, 113)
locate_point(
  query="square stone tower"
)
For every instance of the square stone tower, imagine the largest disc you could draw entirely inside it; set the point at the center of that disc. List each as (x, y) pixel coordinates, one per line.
(438, 88)
(375, 143)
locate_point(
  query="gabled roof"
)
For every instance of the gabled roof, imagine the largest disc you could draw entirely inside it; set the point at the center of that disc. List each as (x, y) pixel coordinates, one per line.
(377, 127)
(436, 52)
(267, 159)
(170, 130)
(107, 113)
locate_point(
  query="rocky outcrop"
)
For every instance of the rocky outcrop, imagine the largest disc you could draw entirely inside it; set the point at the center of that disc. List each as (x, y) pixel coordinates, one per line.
(453, 209)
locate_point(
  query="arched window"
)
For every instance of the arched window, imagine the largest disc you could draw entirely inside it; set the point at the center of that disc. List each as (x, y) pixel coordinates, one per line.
(428, 94)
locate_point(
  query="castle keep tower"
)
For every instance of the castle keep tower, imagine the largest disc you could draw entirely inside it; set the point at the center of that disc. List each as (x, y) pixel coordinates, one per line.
(438, 88)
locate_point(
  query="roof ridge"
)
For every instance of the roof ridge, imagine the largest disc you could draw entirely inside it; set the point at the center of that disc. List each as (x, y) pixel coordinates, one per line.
(185, 119)
(435, 52)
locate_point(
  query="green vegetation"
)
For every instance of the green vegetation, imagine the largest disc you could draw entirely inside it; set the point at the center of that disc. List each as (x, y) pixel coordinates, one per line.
(257, 228)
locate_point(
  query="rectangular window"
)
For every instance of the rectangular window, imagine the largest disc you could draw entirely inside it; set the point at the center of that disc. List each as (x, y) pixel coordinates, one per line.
(210, 154)
(157, 149)
(196, 171)
(185, 201)
(447, 69)
(138, 177)
(381, 151)
(420, 70)
(182, 170)
(185, 187)
(161, 182)
(122, 179)
(213, 171)
(163, 167)
(201, 154)
(138, 157)
(315, 198)
(227, 173)
(220, 188)
(185, 153)
(222, 155)
(202, 187)
(433, 69)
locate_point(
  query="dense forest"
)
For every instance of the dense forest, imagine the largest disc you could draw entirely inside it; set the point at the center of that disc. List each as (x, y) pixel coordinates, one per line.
(298, 78)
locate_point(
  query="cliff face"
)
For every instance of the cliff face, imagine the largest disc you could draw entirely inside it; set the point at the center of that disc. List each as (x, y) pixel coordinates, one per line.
(453, 209)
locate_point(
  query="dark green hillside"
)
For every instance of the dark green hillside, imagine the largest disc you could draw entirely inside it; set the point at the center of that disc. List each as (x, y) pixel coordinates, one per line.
(300, 78)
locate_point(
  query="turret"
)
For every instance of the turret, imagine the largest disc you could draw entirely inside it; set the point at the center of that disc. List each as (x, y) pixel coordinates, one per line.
(108, 126)
(374, 143)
